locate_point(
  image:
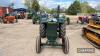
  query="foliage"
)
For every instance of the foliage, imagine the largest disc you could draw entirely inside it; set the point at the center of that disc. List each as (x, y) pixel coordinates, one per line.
(74, 8)
(32, 5)
(85, 8)
(78, 7)
(35, 5)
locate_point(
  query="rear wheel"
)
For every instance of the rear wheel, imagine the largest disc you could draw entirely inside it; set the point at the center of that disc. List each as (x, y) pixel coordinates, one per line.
(42, 31)
(38, 45)
(62, 30)
(65, 46)
(33, 21)
(68, 21)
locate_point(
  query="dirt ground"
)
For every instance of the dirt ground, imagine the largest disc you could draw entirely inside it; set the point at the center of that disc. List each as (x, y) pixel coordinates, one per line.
(19, 39)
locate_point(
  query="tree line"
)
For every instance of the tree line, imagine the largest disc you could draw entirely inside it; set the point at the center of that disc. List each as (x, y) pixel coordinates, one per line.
(74, 8)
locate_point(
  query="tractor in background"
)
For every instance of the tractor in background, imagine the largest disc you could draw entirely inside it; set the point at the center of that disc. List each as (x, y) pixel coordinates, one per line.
(92, 31)
(83, 18)
(34, 16)
(10, 18)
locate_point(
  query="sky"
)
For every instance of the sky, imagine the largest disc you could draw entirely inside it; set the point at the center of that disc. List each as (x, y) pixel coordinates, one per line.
(17, 3)
(65, 3)
(47, 3)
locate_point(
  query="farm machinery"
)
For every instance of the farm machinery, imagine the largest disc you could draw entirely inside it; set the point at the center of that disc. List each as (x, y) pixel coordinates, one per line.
(34, 16)
(83, 18)
(53, 29)
(9, 18)
(92, 31)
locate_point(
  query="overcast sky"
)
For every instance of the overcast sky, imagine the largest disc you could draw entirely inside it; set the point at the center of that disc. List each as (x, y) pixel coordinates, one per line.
(47, 3)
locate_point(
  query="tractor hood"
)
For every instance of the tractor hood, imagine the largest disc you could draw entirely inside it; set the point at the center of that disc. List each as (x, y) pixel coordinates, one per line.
(52, 20)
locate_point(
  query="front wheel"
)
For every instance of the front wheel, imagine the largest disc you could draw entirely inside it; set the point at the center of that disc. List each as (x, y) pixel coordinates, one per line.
(65, 42)
(38, 45)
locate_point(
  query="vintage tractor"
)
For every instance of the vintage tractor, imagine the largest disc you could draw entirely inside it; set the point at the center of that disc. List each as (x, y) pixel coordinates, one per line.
(9, 18)
(34, 16)
(29, 16)
(92, 31)
(53, 29)
(82, 19)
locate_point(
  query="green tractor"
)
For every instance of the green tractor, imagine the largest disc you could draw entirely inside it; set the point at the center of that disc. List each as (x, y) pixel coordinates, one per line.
(53, 29)
(34, 16)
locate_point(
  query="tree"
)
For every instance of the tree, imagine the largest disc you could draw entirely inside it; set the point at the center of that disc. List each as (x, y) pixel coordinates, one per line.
(53, 11)
(42, 8)
(91, 10)
(35, 5)
(32, 4)
(85, 8)
(28, 4)
(97, 8)
(74, 8)
(78, 7)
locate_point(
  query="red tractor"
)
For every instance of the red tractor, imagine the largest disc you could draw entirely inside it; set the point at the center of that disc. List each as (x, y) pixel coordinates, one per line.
(82, 19)
(9, 19)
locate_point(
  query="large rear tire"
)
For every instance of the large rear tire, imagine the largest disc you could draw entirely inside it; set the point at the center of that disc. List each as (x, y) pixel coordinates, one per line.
(62, 30)
(38, 45)
(42, 31)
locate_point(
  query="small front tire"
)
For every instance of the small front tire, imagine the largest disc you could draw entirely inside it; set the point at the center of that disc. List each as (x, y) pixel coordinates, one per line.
(65, 42)
(38, 45)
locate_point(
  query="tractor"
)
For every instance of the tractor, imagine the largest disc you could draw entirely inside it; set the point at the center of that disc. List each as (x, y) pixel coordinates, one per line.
(92, 31)
(34, 16)
(9, 18)
(53, 29)
(82, 20)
